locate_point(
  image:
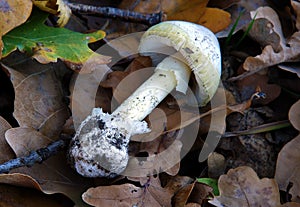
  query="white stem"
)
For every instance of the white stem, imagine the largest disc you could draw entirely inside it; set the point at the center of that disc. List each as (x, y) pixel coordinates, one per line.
(137, 106)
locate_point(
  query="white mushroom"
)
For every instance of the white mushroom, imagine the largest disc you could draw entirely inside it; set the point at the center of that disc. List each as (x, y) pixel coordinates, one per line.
(99, 148)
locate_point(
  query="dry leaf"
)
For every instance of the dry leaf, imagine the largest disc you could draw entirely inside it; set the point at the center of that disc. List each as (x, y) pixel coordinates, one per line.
(25, 140)
(191, 11)
(242, 18)
(242, 187)
(288, 168)
(53, 175)
(192, 193)
(6, 152)
(55, 7)
(216, 165)
(163, 155)
(38, 97)
(13, 13)
(215, 19)
(249, 85)
(21, 180)
(24, 197)
(294, 115)
(222, 4)
(149, 195)
(124, 83)
(287, 51)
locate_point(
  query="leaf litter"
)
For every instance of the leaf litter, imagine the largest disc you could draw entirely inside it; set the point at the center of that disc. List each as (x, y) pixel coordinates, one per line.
(239, 186)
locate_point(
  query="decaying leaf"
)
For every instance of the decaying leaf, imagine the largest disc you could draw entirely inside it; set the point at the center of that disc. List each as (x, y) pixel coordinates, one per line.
(193, 193)
(24, 140)
(53, 175)
(215, 19)
(279, 49)
(55, 7)
(6, 152)
(288, 168)
(12, 14)
(192, 11)
(216, 165)
(251, 84)
(294, 115)
(149, 195)
(18, 196)
(39, 101)
(47, 44)
(242, 187)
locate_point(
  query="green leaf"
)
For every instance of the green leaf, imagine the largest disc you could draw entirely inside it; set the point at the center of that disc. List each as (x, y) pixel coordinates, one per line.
(212, 183)
(47, 44)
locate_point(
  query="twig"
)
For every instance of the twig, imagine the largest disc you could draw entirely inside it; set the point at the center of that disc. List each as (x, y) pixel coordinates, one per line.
(115, 13)
(34, 157)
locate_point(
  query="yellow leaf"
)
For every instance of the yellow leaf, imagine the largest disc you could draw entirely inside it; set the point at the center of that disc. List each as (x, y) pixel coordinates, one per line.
(57, 7)
(215, 19)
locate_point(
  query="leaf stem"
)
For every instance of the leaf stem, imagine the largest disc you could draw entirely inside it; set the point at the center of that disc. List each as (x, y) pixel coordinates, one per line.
(115, 13)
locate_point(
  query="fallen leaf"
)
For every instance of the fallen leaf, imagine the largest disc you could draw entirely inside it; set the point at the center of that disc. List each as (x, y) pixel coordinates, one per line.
(24, 140)
(25, 197)
(222, 4)
(291, 68)
(242, 187)
(191, 11)
(117, 82)
(38, 96)
(6, 152)
(55, 7)
(288, 168)
(162, 155)
(249, 85)
(240, 15)
(53, 175)
(149, 195)
(288, 50)
(21, 180)
(216, 165)
(47, 44)
(192, 193)
(215, 19)
(294, 115)
(13, 13)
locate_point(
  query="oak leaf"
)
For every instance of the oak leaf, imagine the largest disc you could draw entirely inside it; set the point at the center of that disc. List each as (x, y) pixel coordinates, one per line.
(53, 175)
(47, 44)
(39, 101)
(152, 194)
(6, 152)
(242, 187)
(12, 14)
(288, 167)
(279, 49)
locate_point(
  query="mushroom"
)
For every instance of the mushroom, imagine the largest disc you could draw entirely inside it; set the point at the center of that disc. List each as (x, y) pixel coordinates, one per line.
(99, 147)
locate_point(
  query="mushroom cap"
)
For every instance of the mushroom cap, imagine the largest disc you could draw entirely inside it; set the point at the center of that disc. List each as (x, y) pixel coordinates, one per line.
(198, 46)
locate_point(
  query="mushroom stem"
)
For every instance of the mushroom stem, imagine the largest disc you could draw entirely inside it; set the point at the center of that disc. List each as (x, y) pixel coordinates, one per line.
(137, 106)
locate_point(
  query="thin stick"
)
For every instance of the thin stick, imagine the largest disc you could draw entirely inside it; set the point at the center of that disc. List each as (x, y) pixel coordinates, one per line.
(115, 13)
(34, 157)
